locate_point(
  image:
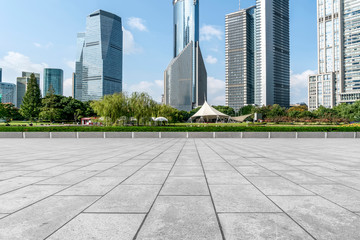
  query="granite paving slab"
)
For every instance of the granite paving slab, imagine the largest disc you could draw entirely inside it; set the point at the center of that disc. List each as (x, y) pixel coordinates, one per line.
(180, 186)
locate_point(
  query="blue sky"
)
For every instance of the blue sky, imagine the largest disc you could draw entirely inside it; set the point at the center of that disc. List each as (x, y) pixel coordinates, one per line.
(42, 33)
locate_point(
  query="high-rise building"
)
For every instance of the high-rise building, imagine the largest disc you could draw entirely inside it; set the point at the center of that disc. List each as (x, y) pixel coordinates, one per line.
(185, 79)
(99, 58)
(272, 52)
(21, 86)
(53, 79)
(0, 75)
(240, 58)
(338, 80)
(258, 55)
(7, 93)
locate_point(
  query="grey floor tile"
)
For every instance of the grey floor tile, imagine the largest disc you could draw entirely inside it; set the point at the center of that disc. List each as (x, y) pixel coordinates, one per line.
(93, 186)
(241, 199)
(353, 182)
(12, 174)
(301, 177)
(100, 227)
(187, 171)
(147, 177)
(18, 182)
(218, 167)
(69, 178)
(342, 195)
(278, 186)
(14, 201)
(255, 171)
(177, 186)
(158, 167)
(321, 218)
(174, 218)
(266, 226)
(127, 199)
(42, 219)
(225, 178)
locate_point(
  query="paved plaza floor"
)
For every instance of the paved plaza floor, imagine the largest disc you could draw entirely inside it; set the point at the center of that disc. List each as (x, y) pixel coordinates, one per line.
(174, 189)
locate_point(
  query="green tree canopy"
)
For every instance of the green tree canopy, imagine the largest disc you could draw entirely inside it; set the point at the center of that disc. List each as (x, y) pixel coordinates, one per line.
(31, 105)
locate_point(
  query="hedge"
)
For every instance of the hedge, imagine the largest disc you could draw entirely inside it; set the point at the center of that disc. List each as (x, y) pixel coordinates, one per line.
(179, 129)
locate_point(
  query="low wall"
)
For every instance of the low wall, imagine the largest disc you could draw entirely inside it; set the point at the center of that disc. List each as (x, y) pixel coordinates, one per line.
(245, 135)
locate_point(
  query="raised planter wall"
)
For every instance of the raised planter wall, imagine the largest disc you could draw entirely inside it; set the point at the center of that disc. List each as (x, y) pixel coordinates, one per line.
(130, 135)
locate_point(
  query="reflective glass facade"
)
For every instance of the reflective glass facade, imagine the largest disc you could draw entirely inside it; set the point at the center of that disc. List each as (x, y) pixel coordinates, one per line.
(53, 79)
(100, 57)
(21, 86)
(272, 52)
(0, 74)
(8, 93)
(186, 41)
(339, 51)
(240, 58)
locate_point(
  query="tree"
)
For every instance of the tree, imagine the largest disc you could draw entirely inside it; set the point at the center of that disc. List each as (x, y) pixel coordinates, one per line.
(31, 105)
(51, 108)
(226, 110)
(246, 110)
(9, 112)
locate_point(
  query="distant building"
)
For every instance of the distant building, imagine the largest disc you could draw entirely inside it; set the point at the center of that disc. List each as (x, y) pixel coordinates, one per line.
(185, 79)
(53, 79)
(0, 75)
(240, 58)
(338, 78)
(73, 85)
(257, 62)
(21, 86)
(7, 93)
(99, 60)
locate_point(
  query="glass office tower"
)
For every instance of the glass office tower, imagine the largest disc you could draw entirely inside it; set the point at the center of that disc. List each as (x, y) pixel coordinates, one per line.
(0, 75)
(272, 53)
(240, 58)
(7, 93)
(338, 80)
(21, 86)
(100, 57)
(53, 79)
(185, 79)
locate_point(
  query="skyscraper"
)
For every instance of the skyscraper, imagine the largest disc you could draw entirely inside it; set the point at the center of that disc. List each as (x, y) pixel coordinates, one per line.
(0, 74)
(53, 79)
(7, 93)
(338, 80)
(100, 57)
(272, 53)
(240, 58)
(258, 55)
(185, 79)
(21, 86)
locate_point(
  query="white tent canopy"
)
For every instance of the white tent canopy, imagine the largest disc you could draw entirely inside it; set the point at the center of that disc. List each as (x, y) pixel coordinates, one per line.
(209, 113)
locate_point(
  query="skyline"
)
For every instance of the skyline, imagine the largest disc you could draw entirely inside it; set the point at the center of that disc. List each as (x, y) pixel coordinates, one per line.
(147, 34)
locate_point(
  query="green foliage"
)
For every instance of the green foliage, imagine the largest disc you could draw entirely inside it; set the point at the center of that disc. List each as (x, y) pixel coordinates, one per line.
(9, 112)
(246, 110)
(31, 105)
(226, 110)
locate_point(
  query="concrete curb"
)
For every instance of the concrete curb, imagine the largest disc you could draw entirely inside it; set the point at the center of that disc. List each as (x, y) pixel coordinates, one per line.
(130, 135)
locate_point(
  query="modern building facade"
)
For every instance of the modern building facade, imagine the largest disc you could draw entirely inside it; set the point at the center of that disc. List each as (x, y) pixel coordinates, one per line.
(53, 79)
(240, 58)
(338, 80)
(0, 75)
(21, 86)
(99, 59)
(185, 79)
(258, 55)
(7, 93)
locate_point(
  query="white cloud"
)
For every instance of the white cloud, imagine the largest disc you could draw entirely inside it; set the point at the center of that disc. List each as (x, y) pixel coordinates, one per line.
(208, 32)
(299, 86)
(219, 100)
(137, 23)
(39, 45)
(211, 60)
(215, 85)
(155, 89)
(130, 47)
(68, 87)
(14, 63)
(71, 64)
